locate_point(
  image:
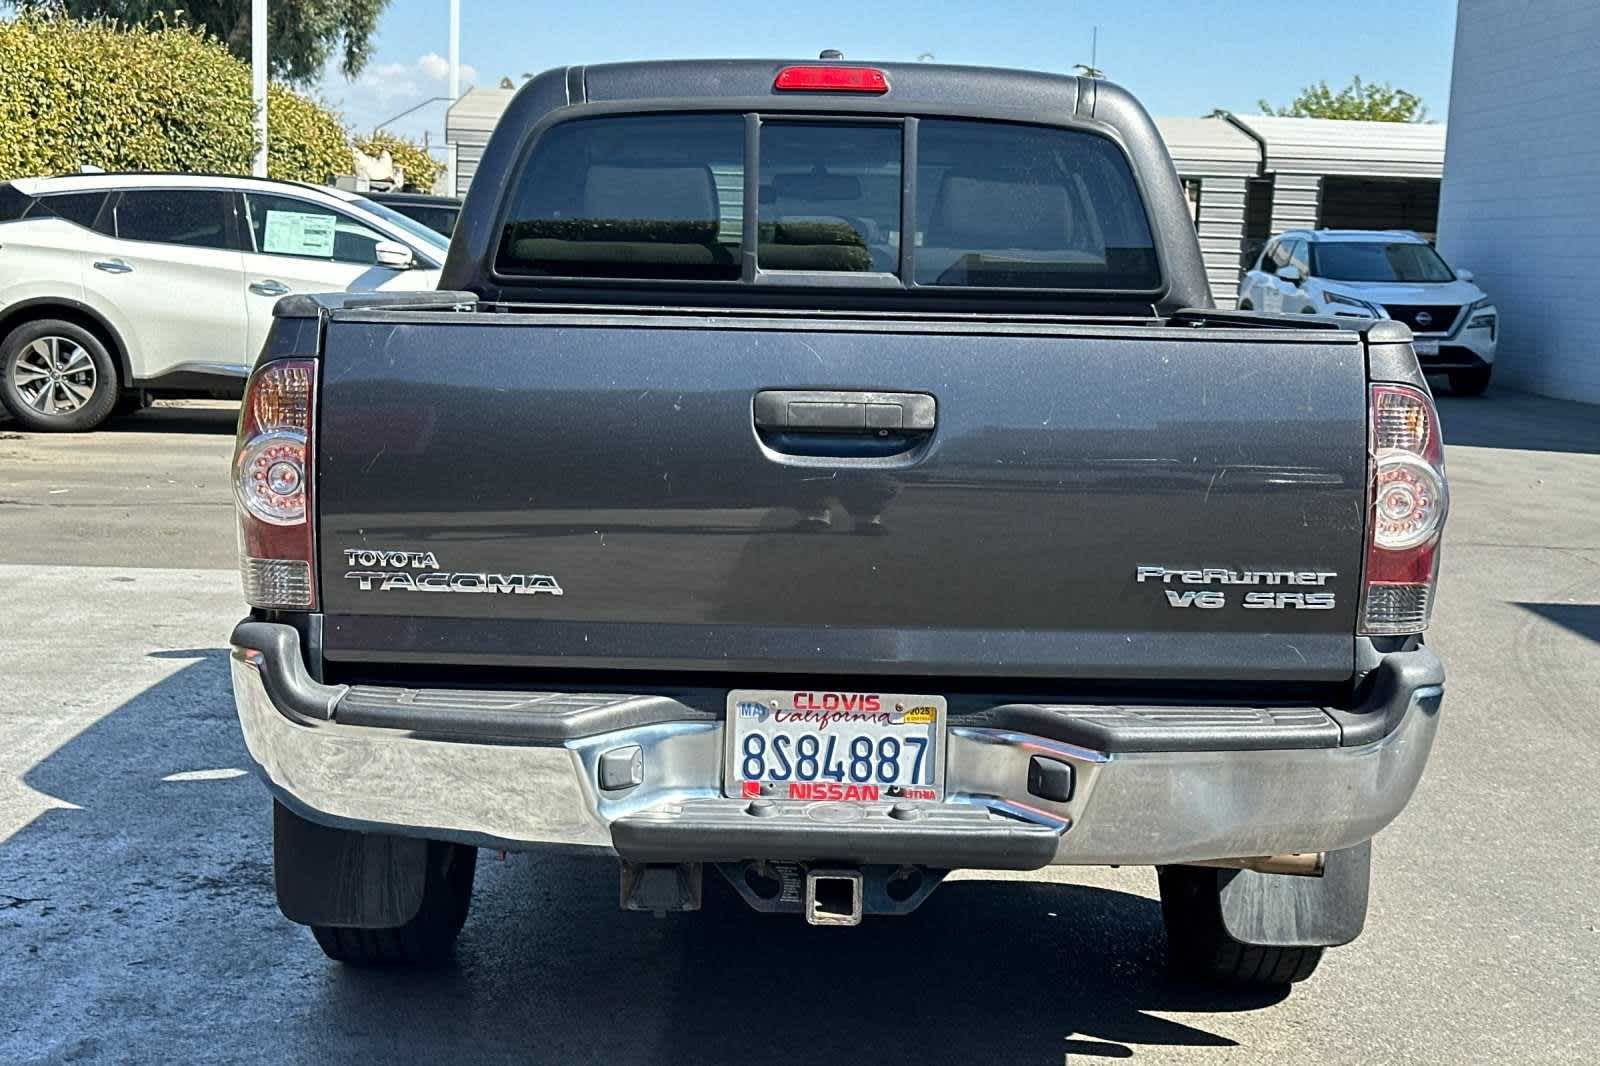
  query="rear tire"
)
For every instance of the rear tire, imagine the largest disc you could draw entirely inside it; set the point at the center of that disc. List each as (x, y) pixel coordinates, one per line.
(1470, 382)
(428, 939)
(1199, 947)
(1244, 305)
(56, 376)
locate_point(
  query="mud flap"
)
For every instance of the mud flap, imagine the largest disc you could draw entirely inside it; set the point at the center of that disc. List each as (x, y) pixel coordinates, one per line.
(343, 878)
(1278, 910)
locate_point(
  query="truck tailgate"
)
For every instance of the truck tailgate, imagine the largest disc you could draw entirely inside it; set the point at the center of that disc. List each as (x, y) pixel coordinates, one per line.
(618, 459)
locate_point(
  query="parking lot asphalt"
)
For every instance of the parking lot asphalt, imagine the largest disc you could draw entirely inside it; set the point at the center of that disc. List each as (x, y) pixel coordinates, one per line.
(137, 922)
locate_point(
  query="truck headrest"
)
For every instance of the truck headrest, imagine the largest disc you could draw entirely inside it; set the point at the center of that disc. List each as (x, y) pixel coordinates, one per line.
(984, 212)
(678, 193)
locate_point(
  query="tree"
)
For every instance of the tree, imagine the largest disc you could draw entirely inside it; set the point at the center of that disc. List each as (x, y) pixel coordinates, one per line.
(301, 34)
(1376, 102)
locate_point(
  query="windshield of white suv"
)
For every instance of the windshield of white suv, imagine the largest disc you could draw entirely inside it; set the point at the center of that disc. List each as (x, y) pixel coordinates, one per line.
(427, 236)
(1378, 261)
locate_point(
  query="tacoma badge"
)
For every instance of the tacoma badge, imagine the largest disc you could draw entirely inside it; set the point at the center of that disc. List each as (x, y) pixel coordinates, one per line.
(418, 572)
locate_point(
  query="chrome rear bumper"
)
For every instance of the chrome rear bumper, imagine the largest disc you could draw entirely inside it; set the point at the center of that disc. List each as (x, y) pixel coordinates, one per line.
(1126, 807)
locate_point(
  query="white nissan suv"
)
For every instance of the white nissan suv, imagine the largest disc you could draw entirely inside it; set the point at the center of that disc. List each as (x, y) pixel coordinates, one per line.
(1382, 274)
(118, 287)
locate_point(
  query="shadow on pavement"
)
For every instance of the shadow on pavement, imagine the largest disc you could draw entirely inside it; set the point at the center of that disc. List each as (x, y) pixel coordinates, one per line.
(221, 419)
(142, 927)
(1580, 618)
(1505, 419)
(218, 416)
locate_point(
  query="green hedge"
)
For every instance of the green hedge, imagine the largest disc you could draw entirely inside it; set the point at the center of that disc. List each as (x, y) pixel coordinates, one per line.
(76, 93)
(305, 142)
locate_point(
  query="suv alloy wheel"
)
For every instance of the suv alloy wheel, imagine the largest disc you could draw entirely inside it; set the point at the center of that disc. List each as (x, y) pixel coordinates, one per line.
(56, 375)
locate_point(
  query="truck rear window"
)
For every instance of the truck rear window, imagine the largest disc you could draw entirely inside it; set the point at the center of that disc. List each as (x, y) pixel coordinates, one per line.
(830, 197)
(662, 197)
(631, 198)
(1028, 207)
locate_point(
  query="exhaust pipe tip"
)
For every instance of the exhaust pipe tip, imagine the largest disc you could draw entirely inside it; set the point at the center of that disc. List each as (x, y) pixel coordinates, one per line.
(1294, 864)
(833, 897)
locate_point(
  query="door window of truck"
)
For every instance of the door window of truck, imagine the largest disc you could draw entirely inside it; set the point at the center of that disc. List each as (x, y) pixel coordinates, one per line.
(996, 205)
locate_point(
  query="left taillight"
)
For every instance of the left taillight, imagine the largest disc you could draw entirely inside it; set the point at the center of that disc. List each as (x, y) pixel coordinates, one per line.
(272, 479)
(1410, 499)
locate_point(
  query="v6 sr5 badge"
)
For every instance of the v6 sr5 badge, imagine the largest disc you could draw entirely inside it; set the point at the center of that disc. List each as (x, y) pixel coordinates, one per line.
(1215, 598)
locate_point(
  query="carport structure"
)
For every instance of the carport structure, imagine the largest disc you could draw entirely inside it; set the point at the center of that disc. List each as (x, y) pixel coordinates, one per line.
(1251, 176)
(467, 125)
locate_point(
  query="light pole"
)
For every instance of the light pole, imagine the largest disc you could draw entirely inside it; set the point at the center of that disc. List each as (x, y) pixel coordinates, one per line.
(455, 92)
(455, 49)
(258, 79)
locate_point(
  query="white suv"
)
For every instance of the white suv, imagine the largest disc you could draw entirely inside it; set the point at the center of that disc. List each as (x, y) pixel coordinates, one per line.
(116, 287)
(1382, 274)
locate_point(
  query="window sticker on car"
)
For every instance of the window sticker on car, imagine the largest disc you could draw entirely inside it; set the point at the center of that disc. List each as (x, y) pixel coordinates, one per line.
(299, 233)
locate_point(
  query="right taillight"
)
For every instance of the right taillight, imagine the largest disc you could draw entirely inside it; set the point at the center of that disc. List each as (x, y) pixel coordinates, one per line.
(272, 476)
(1409, 501)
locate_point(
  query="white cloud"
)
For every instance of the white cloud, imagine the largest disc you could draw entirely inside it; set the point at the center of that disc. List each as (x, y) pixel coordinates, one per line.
(385, 89)
(434, 66)
(437, 67)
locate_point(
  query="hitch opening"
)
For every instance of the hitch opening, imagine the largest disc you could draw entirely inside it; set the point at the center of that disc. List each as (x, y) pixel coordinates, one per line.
(833, 897)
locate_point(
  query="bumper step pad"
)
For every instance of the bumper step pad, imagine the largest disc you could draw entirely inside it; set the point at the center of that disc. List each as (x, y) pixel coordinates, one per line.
(942, 836)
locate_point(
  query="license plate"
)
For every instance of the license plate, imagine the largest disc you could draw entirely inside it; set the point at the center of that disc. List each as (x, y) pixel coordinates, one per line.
(856, 746)
(1425, 347)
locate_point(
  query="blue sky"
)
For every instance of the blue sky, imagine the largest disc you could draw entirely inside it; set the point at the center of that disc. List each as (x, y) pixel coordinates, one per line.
(1181, 57)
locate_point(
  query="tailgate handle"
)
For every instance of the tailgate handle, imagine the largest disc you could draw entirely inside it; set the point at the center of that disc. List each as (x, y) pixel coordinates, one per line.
(831, 411)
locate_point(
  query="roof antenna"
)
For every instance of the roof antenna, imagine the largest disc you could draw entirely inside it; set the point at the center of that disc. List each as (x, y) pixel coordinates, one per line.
(831, 53)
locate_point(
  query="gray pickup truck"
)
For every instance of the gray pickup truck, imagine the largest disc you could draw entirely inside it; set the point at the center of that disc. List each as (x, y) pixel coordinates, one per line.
(825, 476)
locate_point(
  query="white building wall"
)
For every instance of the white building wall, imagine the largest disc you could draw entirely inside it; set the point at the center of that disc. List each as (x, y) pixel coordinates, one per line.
(1520, 204)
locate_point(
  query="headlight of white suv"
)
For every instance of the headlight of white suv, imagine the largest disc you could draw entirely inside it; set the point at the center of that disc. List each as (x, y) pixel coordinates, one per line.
(1339, 300)
(1483, 315)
